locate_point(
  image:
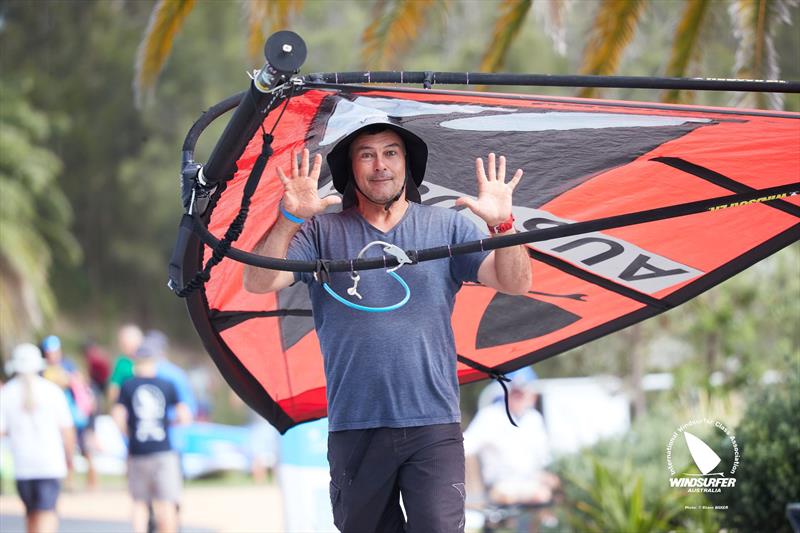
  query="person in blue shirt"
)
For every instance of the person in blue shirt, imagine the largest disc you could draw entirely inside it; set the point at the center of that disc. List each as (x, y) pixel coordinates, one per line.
(170, 371)
(393, 397)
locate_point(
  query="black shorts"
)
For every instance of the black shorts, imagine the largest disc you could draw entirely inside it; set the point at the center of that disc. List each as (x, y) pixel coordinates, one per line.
(39, 494)
(371, 468)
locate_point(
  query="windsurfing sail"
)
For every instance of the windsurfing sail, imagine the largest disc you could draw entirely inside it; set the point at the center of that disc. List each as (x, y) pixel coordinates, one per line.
(703, 456)
(584, 160)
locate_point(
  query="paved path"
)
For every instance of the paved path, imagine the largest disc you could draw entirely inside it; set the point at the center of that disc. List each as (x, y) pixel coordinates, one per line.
(237, 509)
(16, 524)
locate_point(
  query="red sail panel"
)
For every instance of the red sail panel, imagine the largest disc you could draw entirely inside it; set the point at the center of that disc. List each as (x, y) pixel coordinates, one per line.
(584, 159)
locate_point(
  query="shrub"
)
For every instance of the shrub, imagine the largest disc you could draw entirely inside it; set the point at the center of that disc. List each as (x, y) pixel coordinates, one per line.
(768, 476)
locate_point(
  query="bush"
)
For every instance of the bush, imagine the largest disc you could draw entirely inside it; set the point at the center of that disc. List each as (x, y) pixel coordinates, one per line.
(616, 501)
(768, 476)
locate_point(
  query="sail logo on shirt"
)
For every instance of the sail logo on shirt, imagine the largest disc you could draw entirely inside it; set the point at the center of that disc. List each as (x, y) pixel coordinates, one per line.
(149, 406)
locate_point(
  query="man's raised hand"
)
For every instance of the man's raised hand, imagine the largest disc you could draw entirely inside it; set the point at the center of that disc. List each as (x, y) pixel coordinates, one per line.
(494, 194)
(300, 190)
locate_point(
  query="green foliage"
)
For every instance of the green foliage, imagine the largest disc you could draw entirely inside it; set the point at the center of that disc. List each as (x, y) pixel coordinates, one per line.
(165, 21)
(622, 483)
(756, 24)
(120, 165)
(747, 327)
(769, 473)
(685, 48)
(614, 500)
(34, 215)
(507, 26)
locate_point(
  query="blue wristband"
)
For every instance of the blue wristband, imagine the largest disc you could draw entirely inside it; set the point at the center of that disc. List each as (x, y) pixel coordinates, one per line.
(289, 216)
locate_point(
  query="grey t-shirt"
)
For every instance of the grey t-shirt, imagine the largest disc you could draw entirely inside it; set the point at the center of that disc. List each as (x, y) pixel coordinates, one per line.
(395, 368)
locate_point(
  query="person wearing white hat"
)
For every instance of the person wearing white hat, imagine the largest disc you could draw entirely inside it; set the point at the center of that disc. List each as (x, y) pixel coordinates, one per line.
(35, 416)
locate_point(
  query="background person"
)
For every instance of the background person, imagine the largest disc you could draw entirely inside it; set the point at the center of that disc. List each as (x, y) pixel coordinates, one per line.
(35, 416)
(129, 338)
(80, 398)
(173, 373)
(154, 473)
(98, 367)
(512, 460)
(57, 367)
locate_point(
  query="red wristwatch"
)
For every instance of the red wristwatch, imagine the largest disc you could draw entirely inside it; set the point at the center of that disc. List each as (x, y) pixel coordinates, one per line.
(503, 226)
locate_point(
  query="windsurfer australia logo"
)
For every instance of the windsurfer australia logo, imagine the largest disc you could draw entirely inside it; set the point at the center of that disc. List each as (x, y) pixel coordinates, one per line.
(706, 464)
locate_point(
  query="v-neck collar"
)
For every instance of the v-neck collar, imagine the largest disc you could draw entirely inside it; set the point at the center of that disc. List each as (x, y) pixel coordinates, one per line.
(411, 205)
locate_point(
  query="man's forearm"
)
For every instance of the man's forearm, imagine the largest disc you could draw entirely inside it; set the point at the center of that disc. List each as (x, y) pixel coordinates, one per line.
(513, 269)
(275, 243)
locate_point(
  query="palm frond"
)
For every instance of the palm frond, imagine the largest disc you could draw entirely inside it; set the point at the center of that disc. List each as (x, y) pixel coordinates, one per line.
(554, 14)
(755, 23)
(506, 28)
(282, 11)
(255, 13)
(277, 12)
(165, 21)
(613, 29)
(684, 45)
(397, 24)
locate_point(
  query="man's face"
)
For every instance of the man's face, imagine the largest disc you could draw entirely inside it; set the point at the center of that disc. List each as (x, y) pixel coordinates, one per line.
(129, 340)
(379, 165)
(53, 356)
(520, 400)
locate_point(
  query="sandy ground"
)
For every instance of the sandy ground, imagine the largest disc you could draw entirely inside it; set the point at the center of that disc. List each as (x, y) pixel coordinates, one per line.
(254, 508)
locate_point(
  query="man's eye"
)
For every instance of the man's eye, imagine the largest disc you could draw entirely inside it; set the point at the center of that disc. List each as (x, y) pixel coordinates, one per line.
(366, 155)
(391, 153)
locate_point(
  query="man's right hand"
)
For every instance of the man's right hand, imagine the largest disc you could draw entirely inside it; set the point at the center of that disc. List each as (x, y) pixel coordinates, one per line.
(301, 194)
(300, 199)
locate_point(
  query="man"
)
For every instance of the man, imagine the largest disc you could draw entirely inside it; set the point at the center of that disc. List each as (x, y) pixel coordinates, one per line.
(392, 387)
(129, 338)
(173, 373)
(35, 416)
(154, 473)
(80, 398)
(512, 460)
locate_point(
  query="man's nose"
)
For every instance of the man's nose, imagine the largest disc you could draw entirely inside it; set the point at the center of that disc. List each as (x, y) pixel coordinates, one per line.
(380, 163)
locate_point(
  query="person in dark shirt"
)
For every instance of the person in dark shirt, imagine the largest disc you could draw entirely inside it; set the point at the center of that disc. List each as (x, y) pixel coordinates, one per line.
(154, 473)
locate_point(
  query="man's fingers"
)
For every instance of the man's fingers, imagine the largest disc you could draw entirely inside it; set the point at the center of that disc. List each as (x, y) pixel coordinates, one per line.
(295, 169)
(515, 179)
(316, 168)
(467, 202)
(479, 170)
(492, 168)
(331, 200)
(304, 163)
(501, 169)
(283, 177)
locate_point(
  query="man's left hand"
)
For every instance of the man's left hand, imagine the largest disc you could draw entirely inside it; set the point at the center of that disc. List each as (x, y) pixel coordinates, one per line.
(494, 194)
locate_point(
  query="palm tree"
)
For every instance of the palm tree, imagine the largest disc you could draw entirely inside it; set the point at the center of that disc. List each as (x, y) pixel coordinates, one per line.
(395, 24)
(615, 23)
(755, 24)
(34, 218)
(168, 17)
